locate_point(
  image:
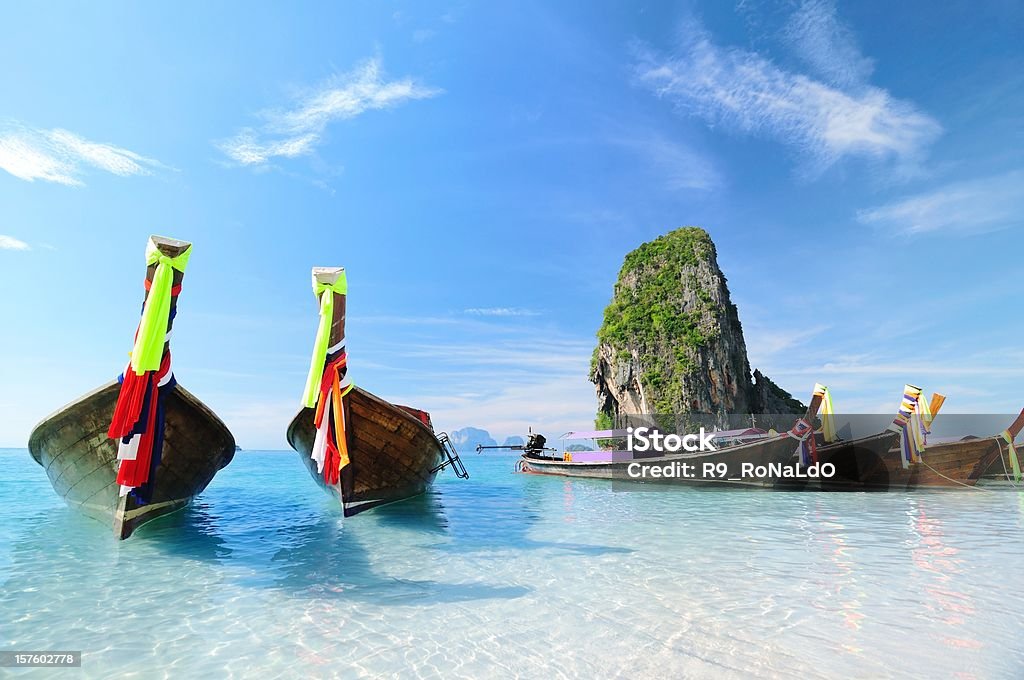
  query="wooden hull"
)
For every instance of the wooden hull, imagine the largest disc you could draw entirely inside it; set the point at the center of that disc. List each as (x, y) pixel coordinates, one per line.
(81, 461)
(777, 451)
(874, 463)
(1001, 468)
(393, 456)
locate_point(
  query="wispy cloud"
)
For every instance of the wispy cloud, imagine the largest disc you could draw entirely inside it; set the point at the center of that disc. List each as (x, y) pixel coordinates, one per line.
(499, 385)
(824, 119)
(501, 311)
(973, 205)
(548, 405)
(421, 35)
(63, 157)
(763, 342)
(297, 130)
(11, 243)
(827, 45)
(680, 167)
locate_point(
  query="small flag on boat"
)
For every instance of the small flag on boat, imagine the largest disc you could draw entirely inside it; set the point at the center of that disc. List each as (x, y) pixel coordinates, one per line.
(807, 451)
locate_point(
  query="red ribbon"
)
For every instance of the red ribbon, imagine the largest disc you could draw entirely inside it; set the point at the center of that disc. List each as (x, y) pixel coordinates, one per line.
(175, 290)
(127, 414)
(332, 455)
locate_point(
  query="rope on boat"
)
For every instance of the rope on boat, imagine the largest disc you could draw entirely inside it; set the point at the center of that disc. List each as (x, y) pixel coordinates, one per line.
(1002, 460)
(955, 481)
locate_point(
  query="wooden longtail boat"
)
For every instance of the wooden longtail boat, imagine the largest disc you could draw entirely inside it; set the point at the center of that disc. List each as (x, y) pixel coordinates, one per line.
(750, 464)
(362, 450)
(187, 443)
(876, 462)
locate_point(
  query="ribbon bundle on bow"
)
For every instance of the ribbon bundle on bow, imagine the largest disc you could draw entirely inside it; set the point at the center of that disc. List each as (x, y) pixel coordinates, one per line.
(803, 432)
(909, 447)
(326, 386)
(920, 426)
(137, 421)
(828, 419)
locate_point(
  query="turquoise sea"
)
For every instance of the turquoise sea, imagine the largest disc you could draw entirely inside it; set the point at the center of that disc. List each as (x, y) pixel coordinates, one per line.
(510, 575)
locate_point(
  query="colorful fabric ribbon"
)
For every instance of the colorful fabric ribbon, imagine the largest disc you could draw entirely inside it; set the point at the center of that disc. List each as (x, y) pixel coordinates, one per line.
(323, 335)
(152, 333)
(902, 424)
(330, 446)
(920, 423)
(326, 387)
(140, 446)
(828, 419)
(807, 451)
(1012, 454)
(138, 419)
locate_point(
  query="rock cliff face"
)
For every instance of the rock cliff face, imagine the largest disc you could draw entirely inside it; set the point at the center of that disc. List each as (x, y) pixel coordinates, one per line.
(671, 340)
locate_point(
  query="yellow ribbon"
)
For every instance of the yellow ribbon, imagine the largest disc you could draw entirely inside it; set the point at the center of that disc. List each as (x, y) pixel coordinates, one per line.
(1014, 461)
(323, 336)
(149, 341)
(828, 419)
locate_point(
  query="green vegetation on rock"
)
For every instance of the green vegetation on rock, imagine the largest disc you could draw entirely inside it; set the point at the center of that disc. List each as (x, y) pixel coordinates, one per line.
(671, 342)
(648, 314)
(649, 307)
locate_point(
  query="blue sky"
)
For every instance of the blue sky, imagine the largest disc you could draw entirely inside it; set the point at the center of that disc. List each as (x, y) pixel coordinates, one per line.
(482, 168)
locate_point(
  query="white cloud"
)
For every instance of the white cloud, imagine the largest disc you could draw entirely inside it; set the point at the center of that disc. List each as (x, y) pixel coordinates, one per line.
(826, 44)
(500, 311)
(826, 121)
(296, 131)
(62, 157)
(972, 205)
(11, 243)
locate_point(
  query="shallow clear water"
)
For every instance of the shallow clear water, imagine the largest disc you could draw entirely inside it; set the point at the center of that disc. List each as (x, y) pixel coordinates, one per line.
(508, 574)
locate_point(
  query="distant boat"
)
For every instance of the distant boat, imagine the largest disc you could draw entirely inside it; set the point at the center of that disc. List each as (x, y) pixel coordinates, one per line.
(361, 449)
(142, 446)
(748, 462)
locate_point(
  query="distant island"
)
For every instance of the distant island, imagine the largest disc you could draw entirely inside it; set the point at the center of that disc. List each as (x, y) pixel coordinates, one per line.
(468, 438)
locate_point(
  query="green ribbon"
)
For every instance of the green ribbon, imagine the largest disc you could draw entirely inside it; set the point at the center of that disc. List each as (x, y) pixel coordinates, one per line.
(323, 336)
(149, 341)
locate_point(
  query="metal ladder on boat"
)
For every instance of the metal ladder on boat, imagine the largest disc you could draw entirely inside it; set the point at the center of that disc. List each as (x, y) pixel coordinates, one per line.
(451, 457)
